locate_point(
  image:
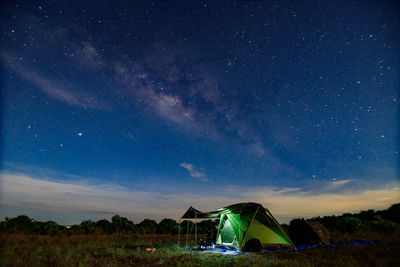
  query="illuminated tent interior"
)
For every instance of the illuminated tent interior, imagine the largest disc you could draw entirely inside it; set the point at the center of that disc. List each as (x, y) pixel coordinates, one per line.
(242, 222)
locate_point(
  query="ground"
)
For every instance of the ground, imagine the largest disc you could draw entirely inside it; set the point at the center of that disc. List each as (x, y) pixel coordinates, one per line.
(129, 250)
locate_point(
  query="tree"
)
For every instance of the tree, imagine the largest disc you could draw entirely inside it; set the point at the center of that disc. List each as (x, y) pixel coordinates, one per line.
(167, 226)
(52, 228)
(21, 223)
(87, 227)
(393, 213)
(104, 226)
(122, 224)
(207, 227)
(148, 226)
(350, 224)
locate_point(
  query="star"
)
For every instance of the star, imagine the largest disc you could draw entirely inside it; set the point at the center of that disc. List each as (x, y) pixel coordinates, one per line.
(80, 134)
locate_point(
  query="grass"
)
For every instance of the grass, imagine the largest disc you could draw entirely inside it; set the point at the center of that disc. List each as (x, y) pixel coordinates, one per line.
(129, 250)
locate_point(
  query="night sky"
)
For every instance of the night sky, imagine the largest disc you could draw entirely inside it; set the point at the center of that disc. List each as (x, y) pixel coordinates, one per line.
(143, 108)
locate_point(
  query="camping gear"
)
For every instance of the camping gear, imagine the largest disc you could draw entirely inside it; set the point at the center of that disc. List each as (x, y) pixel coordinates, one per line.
(241, 223)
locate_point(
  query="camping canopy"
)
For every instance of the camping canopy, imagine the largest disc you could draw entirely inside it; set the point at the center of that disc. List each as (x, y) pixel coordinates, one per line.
(242, 222)
(194, 214)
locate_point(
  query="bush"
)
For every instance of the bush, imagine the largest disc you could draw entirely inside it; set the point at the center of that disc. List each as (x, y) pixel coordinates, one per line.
(393, 213)
(382, 225)
(21, 223)
(167, 226)
(350, 224)
(148, 226)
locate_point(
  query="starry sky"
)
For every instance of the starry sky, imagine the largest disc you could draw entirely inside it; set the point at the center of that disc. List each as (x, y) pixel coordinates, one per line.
(144, 108)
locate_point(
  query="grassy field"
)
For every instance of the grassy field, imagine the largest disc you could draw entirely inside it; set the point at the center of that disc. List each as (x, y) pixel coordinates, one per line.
(129, 250)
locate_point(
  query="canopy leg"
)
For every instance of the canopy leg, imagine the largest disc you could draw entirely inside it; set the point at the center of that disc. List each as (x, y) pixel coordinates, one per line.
(179, 233)
(195, 229)
(187, 234)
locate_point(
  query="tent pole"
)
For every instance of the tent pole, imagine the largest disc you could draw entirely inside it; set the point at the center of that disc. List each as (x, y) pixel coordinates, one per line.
(187, 233)
(280, 227)
(179, 233)
(252, 219)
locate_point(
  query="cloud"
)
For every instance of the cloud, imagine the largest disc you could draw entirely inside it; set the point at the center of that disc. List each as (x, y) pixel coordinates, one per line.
(339, 183)
(95, 200)
(194, 172)
(56, 89)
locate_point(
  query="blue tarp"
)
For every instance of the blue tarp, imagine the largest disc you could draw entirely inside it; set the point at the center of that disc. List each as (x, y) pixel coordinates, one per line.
(339, 244)
(232, 250)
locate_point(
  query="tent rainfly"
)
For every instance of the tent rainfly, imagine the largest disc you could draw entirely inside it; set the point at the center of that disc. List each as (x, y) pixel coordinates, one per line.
(242, 222)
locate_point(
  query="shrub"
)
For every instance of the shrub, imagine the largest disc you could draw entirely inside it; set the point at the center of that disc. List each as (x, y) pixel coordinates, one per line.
(350, 224)
(382, 225)
(167, 226)
(148, 226)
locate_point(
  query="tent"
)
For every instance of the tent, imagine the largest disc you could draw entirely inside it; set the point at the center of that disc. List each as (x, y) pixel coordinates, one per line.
(308, 232)
(242, 222)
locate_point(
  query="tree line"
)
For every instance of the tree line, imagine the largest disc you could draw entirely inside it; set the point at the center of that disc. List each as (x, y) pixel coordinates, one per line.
(385, 220)
(380, 221)
(117, 225)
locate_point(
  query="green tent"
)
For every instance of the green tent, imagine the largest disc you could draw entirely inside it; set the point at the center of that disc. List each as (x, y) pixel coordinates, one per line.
(242, 222)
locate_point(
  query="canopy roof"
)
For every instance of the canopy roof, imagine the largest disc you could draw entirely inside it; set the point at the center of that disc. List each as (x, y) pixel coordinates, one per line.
(195, 214)
(192, 213)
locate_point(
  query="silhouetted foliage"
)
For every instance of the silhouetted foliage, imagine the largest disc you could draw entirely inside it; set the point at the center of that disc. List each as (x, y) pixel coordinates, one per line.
(381, 221)
(207, 227)
(168, 226)
(392, 213)
(381, 225)
(87, 227)
(378, 221)
(349, 224)
(51, 228)
(104, 227)
(21, 223)
(187, 226)
(122, 225)
(148, 226)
